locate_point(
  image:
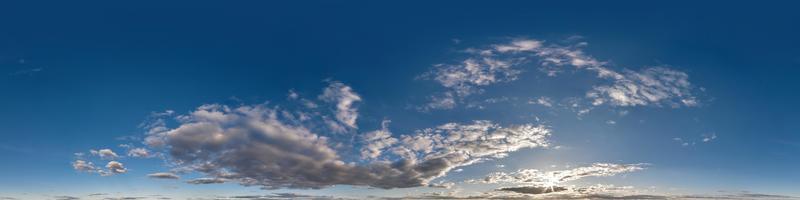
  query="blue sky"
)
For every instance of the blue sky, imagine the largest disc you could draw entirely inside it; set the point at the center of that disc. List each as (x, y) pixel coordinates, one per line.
(661, 99)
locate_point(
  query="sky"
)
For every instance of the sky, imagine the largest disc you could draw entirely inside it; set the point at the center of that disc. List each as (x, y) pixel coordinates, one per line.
(409, 100)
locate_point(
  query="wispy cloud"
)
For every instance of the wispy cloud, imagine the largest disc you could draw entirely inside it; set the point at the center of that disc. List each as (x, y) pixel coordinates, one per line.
(551, 178)
(505, 62)
(26, 72)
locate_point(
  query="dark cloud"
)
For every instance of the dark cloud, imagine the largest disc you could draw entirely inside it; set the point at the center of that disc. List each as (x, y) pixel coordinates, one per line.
(164, 175)
(534, 189)
(206, 181)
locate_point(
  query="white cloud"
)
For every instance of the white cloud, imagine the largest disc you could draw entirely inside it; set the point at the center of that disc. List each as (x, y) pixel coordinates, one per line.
(111, 168)
(115, 167)
(551, 178)
(206, 181)
(107, 154)
(345, 97)
(139, 153)
(651, 86)
(505, 62)
(83, 166)
(376, 141)
(709, 137)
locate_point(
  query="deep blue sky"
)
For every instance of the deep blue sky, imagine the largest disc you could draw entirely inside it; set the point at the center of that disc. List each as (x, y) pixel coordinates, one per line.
(75, 76)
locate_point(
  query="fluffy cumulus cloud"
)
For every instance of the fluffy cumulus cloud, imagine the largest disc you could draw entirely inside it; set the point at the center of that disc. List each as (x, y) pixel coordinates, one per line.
(139, 153)
(268, 146)
(253, 146)
(83, 166)
(105, 154)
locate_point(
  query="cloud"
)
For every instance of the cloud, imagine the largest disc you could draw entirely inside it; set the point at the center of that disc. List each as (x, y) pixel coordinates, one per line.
(257, 145)
(344, 97)
(504, 62)
(544, 101)
(704, 138)
(650, 86)
(66, 198)
(163, 175)
(534, 189)
(252, 145)
(376, 141)
(112, 168)
(83, 166)
(139, 153)
(283, 196)
(115, 167)
(536, 177)
(26, 72)
(107, 154)
(518, 45)
(199, 181)
(467, 78)
(709, 137)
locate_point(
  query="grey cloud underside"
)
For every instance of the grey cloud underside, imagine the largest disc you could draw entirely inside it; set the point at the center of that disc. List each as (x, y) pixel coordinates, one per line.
(253, 145)
(536, 177)
(164, 175)
(273, 148)
(533, 189)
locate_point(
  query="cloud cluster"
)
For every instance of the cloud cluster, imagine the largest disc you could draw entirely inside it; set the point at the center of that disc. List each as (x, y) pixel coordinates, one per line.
(81, 163)
(467, 77)
(139, 153)
(504, 62)
(107, 154)
(252, 145)
(622, 193)
(271, 147)
(111, 168)
(651, 86)
(536, 177)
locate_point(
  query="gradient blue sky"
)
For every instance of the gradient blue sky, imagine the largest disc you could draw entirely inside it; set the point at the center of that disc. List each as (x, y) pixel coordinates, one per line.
(80, 76)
